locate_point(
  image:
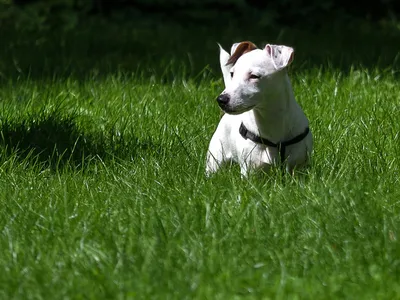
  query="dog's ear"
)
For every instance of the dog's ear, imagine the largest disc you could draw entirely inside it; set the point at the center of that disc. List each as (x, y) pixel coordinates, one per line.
(233, 48)
(239, 49)
(281, 56)
(223, 60)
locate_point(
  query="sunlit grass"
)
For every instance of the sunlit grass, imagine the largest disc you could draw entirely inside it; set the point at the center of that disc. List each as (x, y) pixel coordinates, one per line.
(134, 216)
(103, 192)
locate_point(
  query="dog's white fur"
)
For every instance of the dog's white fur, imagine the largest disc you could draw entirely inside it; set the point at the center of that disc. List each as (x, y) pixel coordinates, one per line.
(266, 106)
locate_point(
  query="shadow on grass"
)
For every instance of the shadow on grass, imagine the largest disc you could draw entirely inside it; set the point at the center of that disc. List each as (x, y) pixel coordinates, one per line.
(56, 141)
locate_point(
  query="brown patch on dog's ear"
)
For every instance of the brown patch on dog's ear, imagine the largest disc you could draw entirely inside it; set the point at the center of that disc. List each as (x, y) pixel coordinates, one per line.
(241, 49)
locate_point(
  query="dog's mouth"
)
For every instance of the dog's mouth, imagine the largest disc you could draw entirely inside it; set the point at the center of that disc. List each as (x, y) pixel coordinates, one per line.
(236, 110)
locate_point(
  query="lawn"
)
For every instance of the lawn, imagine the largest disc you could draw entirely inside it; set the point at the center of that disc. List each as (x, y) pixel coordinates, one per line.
(104, 131)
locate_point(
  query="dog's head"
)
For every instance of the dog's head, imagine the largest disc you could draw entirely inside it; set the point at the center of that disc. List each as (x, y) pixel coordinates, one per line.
(251, 74)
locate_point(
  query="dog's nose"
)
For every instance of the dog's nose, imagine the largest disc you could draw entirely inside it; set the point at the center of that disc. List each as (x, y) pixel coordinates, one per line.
(223, 99)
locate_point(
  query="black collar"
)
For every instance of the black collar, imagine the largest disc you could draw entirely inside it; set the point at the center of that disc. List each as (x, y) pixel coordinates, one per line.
(246, 134)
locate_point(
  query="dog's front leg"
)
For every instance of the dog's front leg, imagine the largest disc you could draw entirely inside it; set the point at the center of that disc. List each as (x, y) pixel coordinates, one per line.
(216, 155)
(244, 171)
(213, 163)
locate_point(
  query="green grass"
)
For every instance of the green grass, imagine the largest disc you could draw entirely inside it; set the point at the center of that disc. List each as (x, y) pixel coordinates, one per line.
(103, 193)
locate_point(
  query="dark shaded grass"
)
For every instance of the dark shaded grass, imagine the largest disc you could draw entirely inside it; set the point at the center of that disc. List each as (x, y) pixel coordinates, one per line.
(156, 46)
(53, 139)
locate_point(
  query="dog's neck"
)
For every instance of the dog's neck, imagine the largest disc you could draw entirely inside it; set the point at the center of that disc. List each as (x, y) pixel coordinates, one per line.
(279, 117)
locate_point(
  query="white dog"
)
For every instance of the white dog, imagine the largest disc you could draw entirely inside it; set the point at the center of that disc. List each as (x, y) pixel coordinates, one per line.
(263, 124)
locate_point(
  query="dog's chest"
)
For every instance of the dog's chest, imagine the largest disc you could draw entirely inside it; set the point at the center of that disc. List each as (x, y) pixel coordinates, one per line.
(256, 155)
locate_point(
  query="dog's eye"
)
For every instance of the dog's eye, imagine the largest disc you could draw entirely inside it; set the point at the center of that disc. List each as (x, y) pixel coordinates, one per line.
(254, 76)
(231, 74)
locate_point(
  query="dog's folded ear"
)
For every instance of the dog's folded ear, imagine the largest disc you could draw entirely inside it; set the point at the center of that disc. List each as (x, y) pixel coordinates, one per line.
(233, 48)
(238, 49)
(281, 56)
